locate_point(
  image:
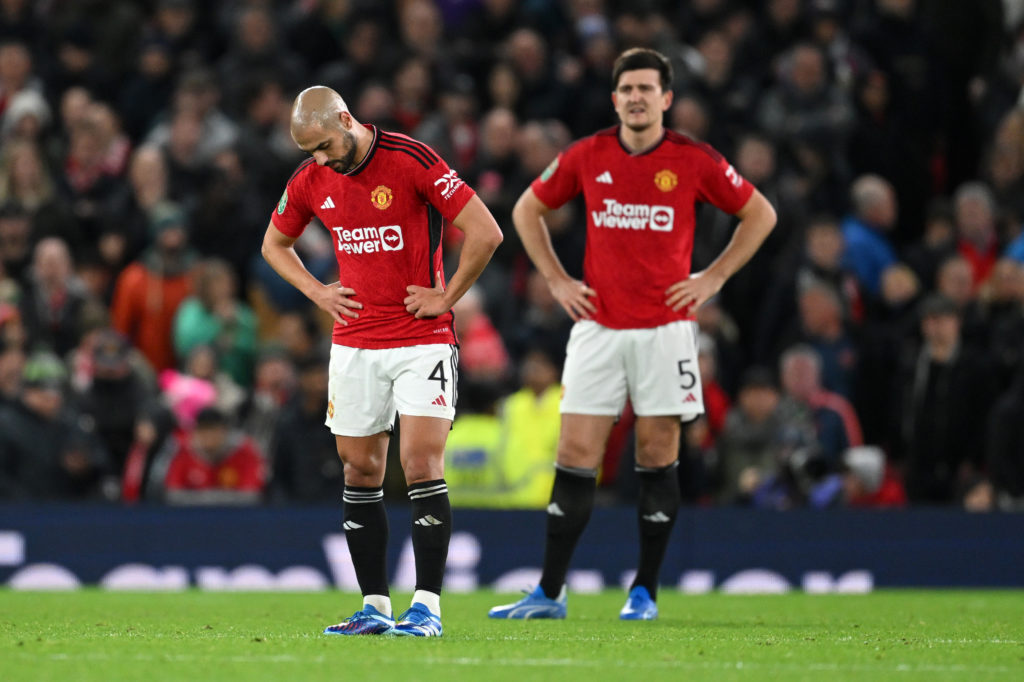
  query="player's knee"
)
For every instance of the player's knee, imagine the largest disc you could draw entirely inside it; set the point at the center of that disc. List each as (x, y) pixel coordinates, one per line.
(363, 472)
(423, 466)
(578, 453)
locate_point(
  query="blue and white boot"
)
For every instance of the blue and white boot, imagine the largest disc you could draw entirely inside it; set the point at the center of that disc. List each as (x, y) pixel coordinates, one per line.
(536, 604)
(368, 621)
(418, 621)
(639, 605)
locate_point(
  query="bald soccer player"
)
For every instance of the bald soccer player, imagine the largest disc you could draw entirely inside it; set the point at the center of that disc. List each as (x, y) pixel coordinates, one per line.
(384, 199)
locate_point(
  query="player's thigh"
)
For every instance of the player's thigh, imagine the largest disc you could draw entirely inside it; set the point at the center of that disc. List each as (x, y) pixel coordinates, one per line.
(594, 376)
(662, 371)
(421, 447)
(365, 458)
(582, 439)
(359, 395)
(657, 441)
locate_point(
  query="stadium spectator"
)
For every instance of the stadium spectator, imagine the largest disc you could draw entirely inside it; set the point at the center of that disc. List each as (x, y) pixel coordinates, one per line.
(148, 292)
(889, 329)
(214, 316)
(214, 464)
(869, 481)
(529, 419)
(306, 466)
(749, 449)
(118, 395)
(974, 209)
(820, 264)
(1004, 435)
(45, 452)
(945, 392)
(54, 303)
(868, 250)
(482, 353)
(818, 422)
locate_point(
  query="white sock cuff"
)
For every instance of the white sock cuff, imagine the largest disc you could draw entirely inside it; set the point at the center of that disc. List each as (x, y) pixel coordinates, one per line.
(381, 602)
(429, 599)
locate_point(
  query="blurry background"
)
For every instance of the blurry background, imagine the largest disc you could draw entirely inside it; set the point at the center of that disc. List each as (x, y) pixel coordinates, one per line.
(869, 355)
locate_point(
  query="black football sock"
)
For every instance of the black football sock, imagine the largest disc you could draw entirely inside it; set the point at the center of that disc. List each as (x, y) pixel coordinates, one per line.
(431, 532)
(656, 515)
(366, 531)
(572, 500)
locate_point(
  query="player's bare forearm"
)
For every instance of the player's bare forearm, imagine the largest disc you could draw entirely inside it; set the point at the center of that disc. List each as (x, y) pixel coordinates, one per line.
(573, 295)
(757, 219)
(279, 252)
(482, 238)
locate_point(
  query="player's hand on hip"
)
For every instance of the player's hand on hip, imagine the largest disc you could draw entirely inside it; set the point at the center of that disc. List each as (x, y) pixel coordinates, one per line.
(425, 302)
(337, 300)
(574, 296)
(691, 293)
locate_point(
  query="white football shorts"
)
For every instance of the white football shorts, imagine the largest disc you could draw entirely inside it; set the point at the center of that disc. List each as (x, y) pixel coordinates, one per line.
(365, 387)
(656, 368)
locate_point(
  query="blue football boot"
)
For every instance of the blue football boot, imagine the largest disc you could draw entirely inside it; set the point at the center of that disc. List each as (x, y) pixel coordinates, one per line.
(639, 605)
(369, 621)
(418, 621)
(534, 605)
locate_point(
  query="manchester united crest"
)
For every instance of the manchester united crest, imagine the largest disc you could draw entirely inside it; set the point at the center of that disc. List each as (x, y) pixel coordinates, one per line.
(381, 197)
(666, 180)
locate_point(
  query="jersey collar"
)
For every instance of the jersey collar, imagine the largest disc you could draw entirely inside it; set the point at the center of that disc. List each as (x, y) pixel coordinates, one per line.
(369, 152)
(648, 150)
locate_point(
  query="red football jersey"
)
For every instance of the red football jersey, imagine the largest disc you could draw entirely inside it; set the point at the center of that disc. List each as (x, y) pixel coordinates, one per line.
(385, 218)
(640, 217)
(241, 470)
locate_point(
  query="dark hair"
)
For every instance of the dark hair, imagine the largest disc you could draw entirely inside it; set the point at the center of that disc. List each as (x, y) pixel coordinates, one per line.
(643, 58)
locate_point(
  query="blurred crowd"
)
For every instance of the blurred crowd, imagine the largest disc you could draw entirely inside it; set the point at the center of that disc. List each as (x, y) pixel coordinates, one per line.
(869, 355)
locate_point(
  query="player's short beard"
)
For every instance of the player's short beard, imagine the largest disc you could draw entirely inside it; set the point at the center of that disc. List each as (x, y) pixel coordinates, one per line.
(344, 163)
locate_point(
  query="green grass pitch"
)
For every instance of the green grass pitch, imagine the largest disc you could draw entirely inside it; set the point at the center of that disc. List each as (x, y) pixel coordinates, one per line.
(887, 635)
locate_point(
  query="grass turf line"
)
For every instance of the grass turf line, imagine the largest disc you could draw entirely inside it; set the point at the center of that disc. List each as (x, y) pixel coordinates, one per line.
(899, 635)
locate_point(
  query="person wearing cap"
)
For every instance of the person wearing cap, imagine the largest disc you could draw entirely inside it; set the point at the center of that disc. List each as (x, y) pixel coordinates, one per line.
(943, 395)
(149, 291)
(45, 452)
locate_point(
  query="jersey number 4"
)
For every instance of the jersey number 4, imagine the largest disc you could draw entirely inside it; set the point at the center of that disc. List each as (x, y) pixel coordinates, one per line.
(437, 374)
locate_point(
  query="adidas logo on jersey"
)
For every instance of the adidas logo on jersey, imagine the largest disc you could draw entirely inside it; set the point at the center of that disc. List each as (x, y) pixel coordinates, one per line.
(690, 398)
(657, 517)
(351, 525)
(439, 400)
(427, 520)
(605, 178)
(328, 204)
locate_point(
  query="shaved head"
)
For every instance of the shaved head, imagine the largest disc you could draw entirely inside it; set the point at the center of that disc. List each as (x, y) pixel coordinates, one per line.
(323, 127)
(317, 106)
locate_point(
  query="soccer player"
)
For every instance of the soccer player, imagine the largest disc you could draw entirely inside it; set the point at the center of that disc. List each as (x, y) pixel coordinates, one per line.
(634, 332)
(382, 197)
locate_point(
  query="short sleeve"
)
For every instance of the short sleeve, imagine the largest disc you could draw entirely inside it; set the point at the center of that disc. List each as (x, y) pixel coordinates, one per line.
(442, 188)
(560, 181)
(293, 211)
(720, 184)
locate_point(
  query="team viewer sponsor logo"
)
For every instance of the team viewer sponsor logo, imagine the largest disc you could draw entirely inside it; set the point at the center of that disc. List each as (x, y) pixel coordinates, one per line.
(369, 239)
(634, 216)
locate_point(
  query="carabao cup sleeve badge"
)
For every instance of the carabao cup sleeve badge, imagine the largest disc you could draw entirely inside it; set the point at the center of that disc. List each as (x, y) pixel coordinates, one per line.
(549, 171)
(282, 203)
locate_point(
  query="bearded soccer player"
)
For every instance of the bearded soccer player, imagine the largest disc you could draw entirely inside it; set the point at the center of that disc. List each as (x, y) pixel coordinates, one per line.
(635, 333)
(383, 197)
